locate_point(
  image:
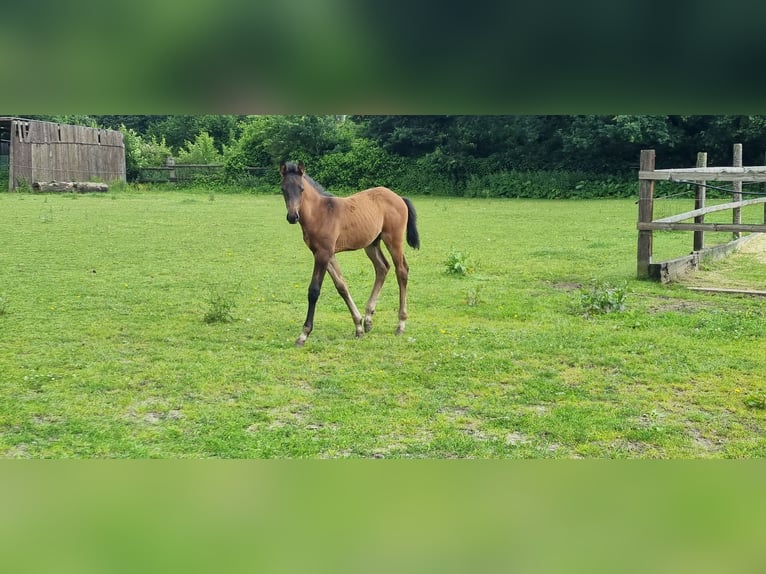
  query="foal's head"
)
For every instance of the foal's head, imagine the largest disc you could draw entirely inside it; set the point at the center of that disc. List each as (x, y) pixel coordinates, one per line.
(292, 188)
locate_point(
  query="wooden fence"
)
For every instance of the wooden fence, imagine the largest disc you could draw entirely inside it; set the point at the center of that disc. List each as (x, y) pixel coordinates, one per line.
(5, 152)
(178, 172)
(185, 172)
(41, 151)
(737, 174)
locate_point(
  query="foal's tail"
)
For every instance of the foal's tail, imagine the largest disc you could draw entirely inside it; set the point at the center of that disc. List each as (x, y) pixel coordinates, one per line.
(413, 239)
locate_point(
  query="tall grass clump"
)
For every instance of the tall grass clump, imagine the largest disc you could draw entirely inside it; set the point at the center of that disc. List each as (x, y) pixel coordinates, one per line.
(457, 263)
(602, 297)
(220, 305)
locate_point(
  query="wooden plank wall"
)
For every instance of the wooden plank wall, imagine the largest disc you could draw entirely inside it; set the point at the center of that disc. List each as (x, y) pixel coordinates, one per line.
(46, 151)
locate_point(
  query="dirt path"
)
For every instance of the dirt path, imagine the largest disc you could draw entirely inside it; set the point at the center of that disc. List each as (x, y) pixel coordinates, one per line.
(757, 246)
(722, 277)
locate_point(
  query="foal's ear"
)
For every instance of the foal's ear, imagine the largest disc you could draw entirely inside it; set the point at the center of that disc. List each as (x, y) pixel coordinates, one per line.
(282, 168)
(301, 167)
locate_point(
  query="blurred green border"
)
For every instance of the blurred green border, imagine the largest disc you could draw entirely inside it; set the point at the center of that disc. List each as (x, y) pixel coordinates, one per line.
(381, 516)
(339, 56)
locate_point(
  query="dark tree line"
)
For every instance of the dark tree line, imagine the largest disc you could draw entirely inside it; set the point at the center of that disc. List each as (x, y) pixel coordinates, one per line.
(455, 151)
(596, 143)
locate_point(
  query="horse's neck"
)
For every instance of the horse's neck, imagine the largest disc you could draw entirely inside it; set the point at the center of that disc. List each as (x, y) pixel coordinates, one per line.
(311, 198)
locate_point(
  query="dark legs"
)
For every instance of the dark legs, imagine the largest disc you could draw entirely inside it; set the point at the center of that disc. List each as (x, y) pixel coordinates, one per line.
(315, 287)
(322, 265)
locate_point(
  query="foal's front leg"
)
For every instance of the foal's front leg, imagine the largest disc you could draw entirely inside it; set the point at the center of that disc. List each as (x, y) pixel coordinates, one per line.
(333, 268)
(315, 287)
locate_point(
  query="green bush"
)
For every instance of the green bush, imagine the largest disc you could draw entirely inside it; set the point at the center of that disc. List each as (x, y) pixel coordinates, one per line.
(201, 151)
(457, 263)
(220, 306)
(364, 165)
(548, 185)
(602, 298)
(756, 402)
(141, 152)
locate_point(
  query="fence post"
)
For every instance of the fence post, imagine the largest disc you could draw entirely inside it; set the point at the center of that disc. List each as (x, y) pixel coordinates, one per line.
(645, 214)
(699, 203)
(170, 162)
(736, 195)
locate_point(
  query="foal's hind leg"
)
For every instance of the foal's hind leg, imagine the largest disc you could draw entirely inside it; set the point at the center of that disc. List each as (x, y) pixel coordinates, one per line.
(381, 269)
(340, 284)
(402, 273)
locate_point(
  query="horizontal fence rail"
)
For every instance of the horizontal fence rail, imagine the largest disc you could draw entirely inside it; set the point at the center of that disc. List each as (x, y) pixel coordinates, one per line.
(712, 227)
(751, 174)
(186, 172)
(710, 209)
(699, 175)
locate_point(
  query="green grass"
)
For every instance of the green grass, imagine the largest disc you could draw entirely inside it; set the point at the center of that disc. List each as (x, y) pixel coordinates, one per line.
(105, 350)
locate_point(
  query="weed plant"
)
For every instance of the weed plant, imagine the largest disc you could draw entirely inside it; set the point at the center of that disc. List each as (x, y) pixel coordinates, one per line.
(602, 297)
(220, 306)
(456, 263)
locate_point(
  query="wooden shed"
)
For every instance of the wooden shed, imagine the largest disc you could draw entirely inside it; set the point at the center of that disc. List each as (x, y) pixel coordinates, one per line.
(37, 151)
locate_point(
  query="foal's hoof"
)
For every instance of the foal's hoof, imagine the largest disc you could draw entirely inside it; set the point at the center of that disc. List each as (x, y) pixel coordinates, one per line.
(367, 325)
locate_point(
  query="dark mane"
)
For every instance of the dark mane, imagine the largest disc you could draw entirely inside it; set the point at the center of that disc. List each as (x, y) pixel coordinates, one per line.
(318, 187)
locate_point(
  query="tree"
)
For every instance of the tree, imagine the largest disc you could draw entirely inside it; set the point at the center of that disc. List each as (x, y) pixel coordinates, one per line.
(141, 152)
(201, 151)
(177, 130)
(268, 140)
(408, 136)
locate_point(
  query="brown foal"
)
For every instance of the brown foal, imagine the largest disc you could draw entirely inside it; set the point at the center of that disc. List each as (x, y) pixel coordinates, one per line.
(361, 221)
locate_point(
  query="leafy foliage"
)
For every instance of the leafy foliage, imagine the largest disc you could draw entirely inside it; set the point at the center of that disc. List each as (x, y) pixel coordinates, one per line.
(220, 306)
(178, 130)
(363, 165)
(141, 152)
(756, 402)
(479, 156)
(602, 298)
(201, 151)
(457, 263)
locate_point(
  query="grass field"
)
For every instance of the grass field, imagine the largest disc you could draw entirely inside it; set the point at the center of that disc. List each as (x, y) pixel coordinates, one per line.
(105, 350)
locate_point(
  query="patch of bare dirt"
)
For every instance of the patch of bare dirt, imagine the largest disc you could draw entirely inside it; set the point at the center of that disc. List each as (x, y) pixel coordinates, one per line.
(567, 286)
(678, 306)
(721, 278)
(756, 246)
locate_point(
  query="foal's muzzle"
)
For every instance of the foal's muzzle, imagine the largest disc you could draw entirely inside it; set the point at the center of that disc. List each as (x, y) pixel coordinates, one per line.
(292, 217)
